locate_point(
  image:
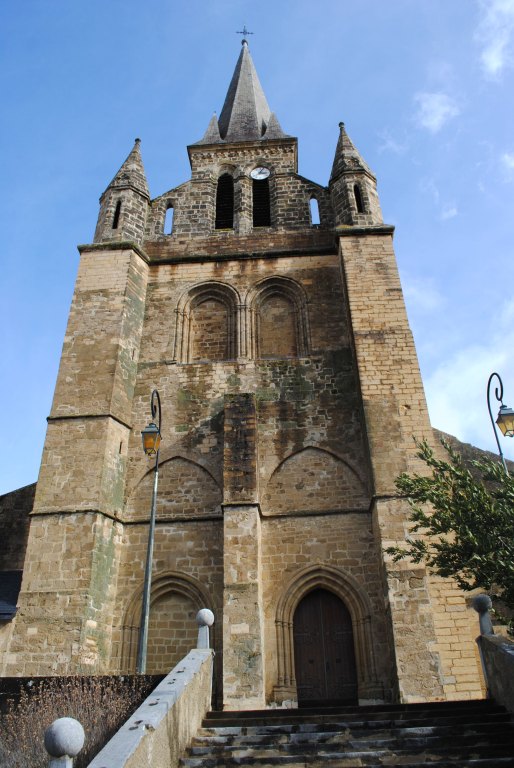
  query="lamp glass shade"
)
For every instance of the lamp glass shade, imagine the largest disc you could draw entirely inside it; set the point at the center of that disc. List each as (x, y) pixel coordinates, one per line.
(151, 439)
(505, 421)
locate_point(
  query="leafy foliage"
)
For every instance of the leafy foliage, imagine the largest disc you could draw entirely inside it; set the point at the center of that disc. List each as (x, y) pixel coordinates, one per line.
(464, 518)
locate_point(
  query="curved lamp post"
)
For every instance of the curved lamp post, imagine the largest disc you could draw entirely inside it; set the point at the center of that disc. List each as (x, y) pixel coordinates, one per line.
(505, 418)
(151, 442)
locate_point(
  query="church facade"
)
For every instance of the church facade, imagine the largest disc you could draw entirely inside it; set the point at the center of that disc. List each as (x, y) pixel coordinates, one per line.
(291, 395)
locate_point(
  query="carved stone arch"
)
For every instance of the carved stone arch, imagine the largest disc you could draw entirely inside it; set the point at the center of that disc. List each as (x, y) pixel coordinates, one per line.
(349, 591)
(162, 584)
(223, 168)
(314, 480)
(278, 289)
(214, 292)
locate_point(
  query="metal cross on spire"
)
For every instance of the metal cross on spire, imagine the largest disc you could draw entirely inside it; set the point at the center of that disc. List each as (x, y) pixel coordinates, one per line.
(245, 32)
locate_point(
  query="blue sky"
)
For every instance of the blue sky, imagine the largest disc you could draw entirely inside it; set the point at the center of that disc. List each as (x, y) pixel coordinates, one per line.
(425, 88)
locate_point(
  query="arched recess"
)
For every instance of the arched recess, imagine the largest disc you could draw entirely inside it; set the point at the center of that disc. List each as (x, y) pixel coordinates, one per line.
(313, 480)
(190, 592)
(186, 490)
(278, 324)
(207, 324)
(347, 589)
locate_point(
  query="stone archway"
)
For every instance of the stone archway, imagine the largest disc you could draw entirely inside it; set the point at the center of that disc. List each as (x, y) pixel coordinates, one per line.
(346, 588)
(172, 594)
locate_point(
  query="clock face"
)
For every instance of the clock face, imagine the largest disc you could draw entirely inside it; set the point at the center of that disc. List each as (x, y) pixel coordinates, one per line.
(259, 173)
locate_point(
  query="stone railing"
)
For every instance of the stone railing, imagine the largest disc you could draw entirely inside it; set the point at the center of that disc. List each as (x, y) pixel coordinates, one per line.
(160, 730)
(497, 655)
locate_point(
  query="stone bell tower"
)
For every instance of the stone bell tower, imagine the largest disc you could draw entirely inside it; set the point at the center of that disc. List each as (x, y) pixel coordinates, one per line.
(290, 395)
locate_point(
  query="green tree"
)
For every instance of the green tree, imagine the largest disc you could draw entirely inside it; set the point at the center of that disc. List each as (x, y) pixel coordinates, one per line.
(462, 520)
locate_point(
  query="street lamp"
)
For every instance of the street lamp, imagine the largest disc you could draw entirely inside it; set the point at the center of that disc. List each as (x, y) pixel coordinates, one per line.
(505, 418)
(151, 436)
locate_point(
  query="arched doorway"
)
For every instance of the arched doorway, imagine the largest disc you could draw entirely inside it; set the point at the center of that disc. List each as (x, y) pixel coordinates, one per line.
(325, 668)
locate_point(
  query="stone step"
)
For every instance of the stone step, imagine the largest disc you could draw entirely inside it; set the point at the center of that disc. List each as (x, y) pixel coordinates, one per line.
(406, 738)
(490, 757)
(304, 713)
(354, 721)
(476, 733)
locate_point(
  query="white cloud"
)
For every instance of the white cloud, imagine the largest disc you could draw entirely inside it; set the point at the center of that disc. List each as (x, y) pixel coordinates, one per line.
(434, 110)
(495, 35)
(421, 294)
(446, 210)
(456, 390)
(449, 212)
(389, 144)
(429, 186)
(507, 161)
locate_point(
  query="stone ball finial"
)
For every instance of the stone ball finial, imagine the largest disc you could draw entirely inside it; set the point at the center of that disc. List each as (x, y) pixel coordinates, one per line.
(205, 618)
(65, 737)
(482, 603)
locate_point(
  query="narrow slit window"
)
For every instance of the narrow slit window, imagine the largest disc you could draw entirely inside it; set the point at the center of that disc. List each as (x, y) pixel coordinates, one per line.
(168, 222)
(314, 212)
(116, 218)
(225, 202)
(358, 198)
(261, 203)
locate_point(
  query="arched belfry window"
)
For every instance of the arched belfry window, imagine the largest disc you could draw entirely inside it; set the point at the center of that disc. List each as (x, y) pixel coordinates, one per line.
(168, 222)
(116, 217)
(261, 203)
(314, 208)
(225, 202)
(358, 198)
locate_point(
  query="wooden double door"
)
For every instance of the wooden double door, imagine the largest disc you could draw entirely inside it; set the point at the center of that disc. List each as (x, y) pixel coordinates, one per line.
(324, 652)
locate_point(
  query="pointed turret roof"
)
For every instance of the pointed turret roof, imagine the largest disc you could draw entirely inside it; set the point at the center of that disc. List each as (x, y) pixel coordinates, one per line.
(246, 115)
(132, 172)
(212, 134)
(347, 157)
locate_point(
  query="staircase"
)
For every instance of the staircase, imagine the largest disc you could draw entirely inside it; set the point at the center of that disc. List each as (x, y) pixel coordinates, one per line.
(464, 733)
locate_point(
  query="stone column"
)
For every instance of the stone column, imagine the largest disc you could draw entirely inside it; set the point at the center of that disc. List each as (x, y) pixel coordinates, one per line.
(395, 412)
(68, 593)
(243, 656)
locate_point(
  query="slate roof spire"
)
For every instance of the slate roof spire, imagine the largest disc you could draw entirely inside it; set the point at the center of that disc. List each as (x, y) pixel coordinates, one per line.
(246, 115)
(132, 173)
(347, 157)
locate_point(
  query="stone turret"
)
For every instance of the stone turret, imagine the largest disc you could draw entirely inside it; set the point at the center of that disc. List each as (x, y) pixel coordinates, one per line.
(353, 186)
(124, 204)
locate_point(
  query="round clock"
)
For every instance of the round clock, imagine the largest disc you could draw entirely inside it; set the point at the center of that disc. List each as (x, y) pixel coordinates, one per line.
(259, 173)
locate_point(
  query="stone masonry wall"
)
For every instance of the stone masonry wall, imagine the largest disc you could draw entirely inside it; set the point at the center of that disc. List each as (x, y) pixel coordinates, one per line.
(15, 508)
(396, 413)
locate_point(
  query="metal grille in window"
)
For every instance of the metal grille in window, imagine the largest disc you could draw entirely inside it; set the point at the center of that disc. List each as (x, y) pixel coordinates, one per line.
(225, 202)
(261, 203)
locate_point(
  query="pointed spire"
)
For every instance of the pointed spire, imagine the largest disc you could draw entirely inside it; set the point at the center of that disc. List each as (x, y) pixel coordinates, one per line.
(212, 134)
(245, 115)
(132, 173)
(347, 157)
(273, 131)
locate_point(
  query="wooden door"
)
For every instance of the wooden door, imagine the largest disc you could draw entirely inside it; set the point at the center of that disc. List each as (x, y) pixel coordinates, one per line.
(323, 650)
